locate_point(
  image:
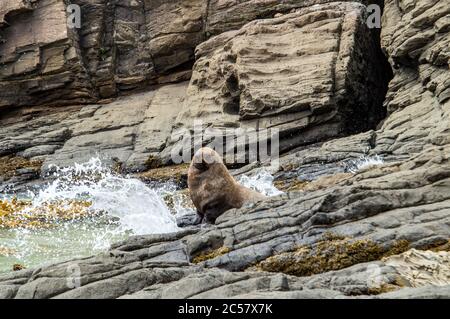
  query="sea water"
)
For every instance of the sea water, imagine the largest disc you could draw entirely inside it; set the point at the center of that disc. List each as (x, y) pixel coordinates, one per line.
(121, 206)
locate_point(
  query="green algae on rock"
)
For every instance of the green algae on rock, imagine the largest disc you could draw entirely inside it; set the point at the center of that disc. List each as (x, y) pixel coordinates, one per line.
(153, 162)
(18, 267)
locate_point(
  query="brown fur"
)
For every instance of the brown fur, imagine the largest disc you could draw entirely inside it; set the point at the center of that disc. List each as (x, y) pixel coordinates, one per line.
(212, 188)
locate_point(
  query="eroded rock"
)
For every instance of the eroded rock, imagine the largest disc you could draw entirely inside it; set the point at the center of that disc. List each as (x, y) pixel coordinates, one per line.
(312, 74)
(121, 45)
(405, 199)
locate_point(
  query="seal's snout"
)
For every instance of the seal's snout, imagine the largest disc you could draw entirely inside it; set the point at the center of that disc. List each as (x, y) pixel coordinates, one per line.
(202, 166)
(204, 158)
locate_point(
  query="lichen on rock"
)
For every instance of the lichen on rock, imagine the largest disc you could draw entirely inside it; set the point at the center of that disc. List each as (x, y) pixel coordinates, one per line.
(177, 173)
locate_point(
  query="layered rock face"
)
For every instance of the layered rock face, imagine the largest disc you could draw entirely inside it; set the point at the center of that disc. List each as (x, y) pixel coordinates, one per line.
(339, 231)
(121, 45)
(312, 75)
(225, 15)
(415, 38)
(39, 62)
(127, 132)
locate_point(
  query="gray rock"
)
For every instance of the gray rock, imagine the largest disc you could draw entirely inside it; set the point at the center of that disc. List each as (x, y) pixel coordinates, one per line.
(383, 209)
(428, 292)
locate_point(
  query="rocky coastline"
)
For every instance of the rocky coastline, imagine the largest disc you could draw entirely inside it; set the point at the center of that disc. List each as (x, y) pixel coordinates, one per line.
(338, 91)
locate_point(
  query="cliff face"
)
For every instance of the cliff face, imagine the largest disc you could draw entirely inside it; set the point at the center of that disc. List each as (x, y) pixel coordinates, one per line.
(313, 74)
(312, 69)
(121, 45)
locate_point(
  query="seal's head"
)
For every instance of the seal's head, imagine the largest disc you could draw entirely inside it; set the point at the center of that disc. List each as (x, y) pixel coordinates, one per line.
(204, 158)
(212, 188)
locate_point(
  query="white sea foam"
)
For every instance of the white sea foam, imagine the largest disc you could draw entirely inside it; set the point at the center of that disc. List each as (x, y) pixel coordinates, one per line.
(138, 207)
(364, 162)
(261, 181)
(130, 207)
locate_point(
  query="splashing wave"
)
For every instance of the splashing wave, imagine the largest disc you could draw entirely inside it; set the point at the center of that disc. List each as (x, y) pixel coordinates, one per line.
(261, 181)
(120, 206)
(138, 208)
(364, 162)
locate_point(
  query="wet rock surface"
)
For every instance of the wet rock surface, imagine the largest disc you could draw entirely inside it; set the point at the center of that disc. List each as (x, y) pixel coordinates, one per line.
(122, 136)
(389, 221)
(387, 208)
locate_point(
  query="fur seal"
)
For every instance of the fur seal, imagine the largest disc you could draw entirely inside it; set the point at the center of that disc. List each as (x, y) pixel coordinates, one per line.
(212, 188)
